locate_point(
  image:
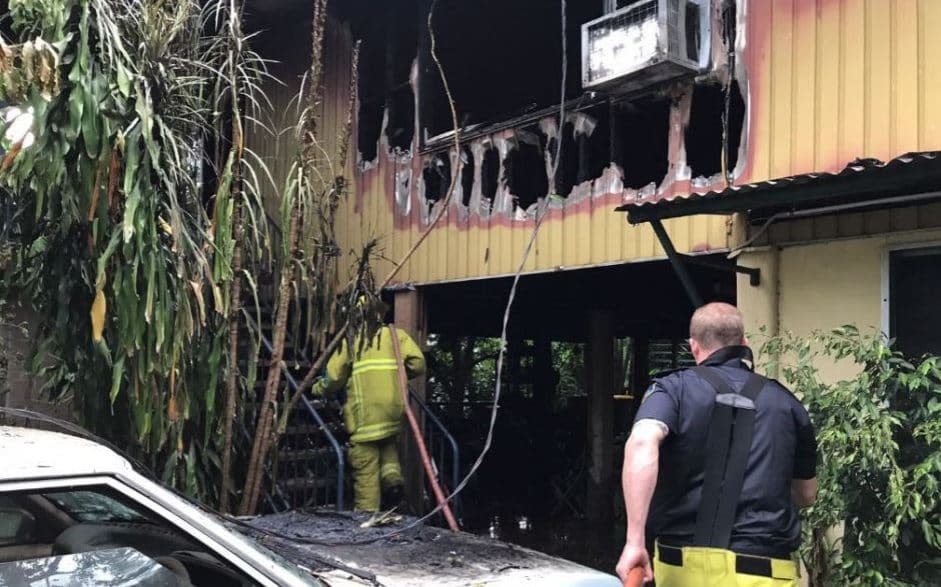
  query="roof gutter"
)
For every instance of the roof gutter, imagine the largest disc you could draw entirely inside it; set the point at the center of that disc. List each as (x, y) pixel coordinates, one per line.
(869, 186)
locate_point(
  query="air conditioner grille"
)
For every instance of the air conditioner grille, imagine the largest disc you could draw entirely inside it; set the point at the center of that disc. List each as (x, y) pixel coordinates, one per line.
(626, 39)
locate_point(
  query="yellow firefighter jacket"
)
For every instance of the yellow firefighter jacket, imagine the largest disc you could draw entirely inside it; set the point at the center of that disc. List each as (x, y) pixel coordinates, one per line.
(374, 407)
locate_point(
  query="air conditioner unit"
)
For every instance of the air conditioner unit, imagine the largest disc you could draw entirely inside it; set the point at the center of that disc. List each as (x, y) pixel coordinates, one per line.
(644, 43)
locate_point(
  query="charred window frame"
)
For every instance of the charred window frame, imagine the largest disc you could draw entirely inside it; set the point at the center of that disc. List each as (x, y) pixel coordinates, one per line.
(524, 168)
(641, 140)
(509, 55)
(389, 46)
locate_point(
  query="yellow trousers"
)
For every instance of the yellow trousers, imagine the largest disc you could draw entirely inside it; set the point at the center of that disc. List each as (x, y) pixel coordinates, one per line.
(375, 466)
(714, 567)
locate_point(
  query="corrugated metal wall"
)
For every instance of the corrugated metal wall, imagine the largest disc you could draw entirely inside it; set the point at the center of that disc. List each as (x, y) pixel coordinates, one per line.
(826, 81)
(833, 80)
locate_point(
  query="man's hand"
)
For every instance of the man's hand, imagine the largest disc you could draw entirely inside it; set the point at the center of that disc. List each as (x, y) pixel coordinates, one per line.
(634, 556)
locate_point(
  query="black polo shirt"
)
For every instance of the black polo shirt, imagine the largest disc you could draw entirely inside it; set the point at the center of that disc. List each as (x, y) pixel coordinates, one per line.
(783, 448)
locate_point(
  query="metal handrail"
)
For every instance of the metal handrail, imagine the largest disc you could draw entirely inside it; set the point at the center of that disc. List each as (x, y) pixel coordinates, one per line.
(455, 449)
(312, 411)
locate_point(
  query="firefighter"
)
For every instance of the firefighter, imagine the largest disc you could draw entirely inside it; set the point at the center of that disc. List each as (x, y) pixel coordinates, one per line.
(717, 465)
(373, 411)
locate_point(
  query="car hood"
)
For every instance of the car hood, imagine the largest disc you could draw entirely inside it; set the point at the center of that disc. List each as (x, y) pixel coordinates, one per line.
(335, 547)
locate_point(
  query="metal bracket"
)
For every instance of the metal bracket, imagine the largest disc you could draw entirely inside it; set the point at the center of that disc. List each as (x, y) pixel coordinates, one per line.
(753, 273)
(677, 261)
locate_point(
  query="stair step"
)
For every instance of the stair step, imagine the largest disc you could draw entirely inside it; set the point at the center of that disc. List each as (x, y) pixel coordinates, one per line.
(304, 454)
(302, 483)
(306, 429)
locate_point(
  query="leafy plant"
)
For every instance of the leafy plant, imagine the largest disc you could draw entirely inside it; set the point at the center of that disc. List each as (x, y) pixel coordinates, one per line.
(124, 249)
(877, 519)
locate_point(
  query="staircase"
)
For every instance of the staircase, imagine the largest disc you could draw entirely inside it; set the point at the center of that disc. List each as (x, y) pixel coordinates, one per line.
(310, 467)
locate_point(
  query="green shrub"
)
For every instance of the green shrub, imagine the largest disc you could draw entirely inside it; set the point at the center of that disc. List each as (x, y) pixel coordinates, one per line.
(879, 437)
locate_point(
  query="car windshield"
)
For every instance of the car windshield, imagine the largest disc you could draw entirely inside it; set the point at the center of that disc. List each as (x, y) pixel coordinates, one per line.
(228, 523)
(94, 506)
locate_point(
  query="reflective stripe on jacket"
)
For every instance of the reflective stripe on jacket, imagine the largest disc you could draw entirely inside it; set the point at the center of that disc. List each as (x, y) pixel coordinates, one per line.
(374, 408)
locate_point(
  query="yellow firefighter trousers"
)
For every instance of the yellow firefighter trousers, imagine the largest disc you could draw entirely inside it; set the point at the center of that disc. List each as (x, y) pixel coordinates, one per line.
(375, 466)
(715, 567)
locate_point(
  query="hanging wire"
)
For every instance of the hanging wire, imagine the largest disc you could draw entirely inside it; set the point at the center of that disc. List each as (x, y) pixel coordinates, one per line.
(541, 212)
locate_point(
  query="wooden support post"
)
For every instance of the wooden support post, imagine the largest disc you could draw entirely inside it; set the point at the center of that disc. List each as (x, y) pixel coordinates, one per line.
(410, 317)
(544, 376)
(600, 368)
(545, 382)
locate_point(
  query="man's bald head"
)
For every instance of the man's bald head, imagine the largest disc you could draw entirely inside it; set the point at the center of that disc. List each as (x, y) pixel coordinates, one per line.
(717, 325)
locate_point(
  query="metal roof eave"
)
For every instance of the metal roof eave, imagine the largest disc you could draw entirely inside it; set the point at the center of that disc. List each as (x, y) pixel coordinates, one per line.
(859, 181)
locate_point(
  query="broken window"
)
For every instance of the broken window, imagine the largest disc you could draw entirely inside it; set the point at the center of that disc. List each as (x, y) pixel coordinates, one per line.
(642, 140)
(585, 149)
(509, 55)
(704, 135)
(490, 173)
(467, 175)
(437, 177)
(525, 172)
(369, 125)
(401, 128)
(389, 46)
(567, 173)
(401, 52)
(593, 138)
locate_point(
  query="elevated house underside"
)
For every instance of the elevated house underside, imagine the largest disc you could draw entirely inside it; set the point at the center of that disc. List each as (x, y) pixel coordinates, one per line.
(793, 107)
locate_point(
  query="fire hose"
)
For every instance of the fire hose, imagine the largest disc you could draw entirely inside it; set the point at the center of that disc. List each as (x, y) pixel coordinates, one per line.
(635, 578)
(419, 437)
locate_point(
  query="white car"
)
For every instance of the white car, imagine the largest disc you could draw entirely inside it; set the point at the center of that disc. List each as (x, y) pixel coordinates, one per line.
(74, 512)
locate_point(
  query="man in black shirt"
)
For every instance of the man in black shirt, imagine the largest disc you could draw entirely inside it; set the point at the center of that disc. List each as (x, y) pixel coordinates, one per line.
(717, 464)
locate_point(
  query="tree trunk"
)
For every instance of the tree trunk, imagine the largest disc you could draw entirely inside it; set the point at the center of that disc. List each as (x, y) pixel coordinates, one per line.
(263, 436)
(235, 308)
(235, 298)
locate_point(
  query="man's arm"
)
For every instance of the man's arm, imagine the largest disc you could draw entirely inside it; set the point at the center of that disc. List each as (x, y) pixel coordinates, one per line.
(804, 480)
(804, 492)
(639, 475)
(639, 479)
(412, 357)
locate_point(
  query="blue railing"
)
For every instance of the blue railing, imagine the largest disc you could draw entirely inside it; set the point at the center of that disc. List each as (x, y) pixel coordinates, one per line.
(439, 441)
(308, 409)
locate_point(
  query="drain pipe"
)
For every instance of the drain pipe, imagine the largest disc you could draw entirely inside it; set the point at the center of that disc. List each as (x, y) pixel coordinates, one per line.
(419, 438)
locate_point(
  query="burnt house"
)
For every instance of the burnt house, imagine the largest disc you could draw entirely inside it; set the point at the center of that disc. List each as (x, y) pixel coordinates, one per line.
(766, 153)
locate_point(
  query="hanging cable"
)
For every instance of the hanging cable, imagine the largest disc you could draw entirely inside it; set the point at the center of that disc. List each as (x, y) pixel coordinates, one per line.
(541, 211)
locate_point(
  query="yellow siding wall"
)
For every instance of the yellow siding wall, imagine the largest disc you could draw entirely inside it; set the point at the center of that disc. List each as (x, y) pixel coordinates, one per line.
(821, 286)
(833, 80)
(826, 82)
